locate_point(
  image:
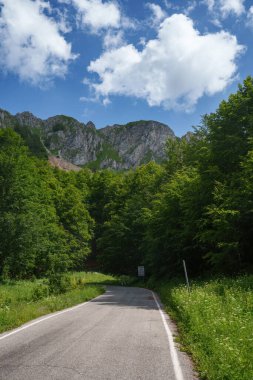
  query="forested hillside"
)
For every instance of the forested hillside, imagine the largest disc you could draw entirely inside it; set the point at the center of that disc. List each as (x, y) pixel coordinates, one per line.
(197, 206)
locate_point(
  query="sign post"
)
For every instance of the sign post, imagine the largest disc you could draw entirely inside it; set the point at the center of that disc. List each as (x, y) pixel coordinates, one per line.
(186, 276)
(141, 271)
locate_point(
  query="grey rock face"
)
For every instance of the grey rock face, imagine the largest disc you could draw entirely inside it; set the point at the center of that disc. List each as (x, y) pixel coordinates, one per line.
(138, 142)
(117, 146)
(28, 119)
(76, 142)
(6, 119)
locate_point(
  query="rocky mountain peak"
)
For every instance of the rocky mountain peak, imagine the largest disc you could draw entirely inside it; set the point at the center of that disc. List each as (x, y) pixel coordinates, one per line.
(29, 120)
(139, 141)
(91, 125)
(6, 119)
(116, 146)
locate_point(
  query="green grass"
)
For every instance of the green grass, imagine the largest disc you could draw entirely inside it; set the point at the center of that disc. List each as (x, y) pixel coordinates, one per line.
(21, 301)
(216, 325)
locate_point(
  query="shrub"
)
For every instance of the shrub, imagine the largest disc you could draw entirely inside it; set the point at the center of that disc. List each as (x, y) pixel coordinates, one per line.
(59, 283)
(41, 291)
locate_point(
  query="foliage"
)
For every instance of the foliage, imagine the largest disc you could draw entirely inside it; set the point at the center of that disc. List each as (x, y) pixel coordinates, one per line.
(44, 223)
(21, 301)
(215, 320)
(122, 230)
(32, 140)
(195, 206)
(59, 283)
(107, 152)
(59, 127)
(172, 222)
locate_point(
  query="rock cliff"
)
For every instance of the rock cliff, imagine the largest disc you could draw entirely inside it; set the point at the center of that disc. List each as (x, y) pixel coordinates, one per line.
(117, 146)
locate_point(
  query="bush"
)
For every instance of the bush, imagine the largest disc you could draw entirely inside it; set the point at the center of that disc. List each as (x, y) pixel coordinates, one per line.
(59, 283)
(126, 280)
(41, 291)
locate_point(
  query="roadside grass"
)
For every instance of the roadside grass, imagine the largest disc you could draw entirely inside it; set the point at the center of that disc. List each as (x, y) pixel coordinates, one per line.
(22, 301)
(215, 321)
(104, 279)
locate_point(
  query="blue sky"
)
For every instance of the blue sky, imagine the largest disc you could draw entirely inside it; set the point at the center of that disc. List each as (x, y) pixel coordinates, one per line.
(114, 61)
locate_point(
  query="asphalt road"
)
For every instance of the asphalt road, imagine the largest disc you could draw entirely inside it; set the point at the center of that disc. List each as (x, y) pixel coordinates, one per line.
(121, 335)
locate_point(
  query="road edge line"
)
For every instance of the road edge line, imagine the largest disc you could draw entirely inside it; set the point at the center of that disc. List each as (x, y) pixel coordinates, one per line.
(173, 350)
(42, 319)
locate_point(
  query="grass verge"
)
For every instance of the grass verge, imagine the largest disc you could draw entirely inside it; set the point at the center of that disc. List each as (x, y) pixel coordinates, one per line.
(22, 301)
(215, 321)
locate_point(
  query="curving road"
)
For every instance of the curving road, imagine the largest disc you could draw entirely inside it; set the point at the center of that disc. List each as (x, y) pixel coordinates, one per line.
(121, 335)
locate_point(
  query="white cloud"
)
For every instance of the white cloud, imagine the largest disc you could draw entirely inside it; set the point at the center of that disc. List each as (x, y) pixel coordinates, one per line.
(173, 70)
(97, 15)
(170, 5)
(86, 99)
(113, 39)
(232, 6)
(157, 11)
(31, 44)
(210, 4)
(190, 7)
(187, 7)
(224, 8)
(250, 17)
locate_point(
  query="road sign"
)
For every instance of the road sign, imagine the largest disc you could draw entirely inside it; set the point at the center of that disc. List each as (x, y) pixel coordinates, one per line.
(141, 271)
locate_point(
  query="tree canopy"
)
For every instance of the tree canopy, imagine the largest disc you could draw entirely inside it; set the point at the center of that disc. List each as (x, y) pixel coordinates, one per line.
(196, 206)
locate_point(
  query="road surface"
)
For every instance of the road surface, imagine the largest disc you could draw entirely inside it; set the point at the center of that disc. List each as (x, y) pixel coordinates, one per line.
(121, 335)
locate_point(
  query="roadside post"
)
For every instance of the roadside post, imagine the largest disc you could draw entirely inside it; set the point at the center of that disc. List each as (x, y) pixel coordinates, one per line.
(141, 271)
(186, 276)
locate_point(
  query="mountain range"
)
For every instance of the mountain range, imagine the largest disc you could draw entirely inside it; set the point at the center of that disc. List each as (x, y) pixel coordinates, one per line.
(64, 140)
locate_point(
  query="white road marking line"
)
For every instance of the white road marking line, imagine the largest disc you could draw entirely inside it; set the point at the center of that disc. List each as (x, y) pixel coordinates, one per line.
(173, 351)
(45, 318)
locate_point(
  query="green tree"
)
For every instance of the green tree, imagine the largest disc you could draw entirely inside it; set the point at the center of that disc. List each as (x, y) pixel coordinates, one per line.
(120, 244)
(172, 224)
(25, 218)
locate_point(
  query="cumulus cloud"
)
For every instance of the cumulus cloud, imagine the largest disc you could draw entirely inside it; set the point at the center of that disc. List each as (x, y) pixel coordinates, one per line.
(31, 43)
(173, 70)
(97, 15)
(224, 8)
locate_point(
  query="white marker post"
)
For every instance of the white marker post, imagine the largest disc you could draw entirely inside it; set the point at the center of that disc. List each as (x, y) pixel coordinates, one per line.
(186, 276)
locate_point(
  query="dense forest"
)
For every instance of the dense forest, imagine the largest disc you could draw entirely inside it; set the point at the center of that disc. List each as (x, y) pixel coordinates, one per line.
(197, 205)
